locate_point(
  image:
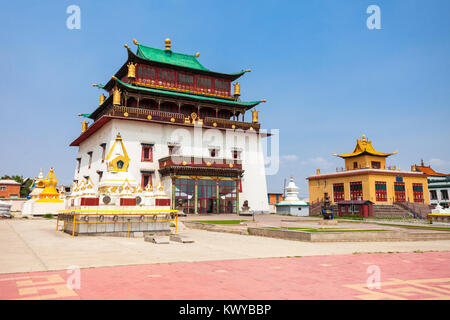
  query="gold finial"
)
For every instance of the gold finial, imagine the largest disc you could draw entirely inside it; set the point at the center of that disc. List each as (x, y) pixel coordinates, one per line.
(263, 100)
(126, 46)
(102, 99)
(135, 42)
(114, 78)
(84, 126)
(248, 70)
(168, 43)
(255, 115)
(197, 54)
(237, 89)
(363, 137)
(116, 96)
(131, 70)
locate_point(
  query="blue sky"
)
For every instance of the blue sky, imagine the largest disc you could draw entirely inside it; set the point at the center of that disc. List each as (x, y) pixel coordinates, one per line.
(327, 78)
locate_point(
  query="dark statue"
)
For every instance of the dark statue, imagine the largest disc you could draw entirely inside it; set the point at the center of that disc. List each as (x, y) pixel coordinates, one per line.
(327, 212)
(245, 207)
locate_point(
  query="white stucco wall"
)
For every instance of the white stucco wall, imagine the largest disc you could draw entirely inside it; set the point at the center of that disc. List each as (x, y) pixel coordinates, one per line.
(195, 143)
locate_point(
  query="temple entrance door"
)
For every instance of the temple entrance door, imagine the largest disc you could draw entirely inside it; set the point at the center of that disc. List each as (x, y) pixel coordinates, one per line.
(227, 196)
(185, 191)
(207, 199)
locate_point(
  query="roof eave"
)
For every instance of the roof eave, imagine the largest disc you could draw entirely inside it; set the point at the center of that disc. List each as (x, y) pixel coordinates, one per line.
(247, 105)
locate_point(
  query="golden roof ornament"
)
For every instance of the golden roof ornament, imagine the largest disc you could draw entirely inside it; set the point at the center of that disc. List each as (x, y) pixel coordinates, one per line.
(255, 115)
(197, 54)
(84, 126)
(364, 146)
(131, 70)
(237, 90)
(135, 42)
(168, 43)
(102, 99)
(116, 96)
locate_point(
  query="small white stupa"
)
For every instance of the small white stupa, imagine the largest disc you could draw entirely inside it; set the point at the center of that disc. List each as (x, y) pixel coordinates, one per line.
(291, 204)
(440, 210)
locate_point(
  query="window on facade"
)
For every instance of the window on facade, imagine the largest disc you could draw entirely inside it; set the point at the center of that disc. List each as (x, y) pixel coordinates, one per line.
(120, 164)
(103, 146)
(355, 190)
(213, 152)
(399, 191)
(433, 195)
(185, 79)
(78, 164)
(444, 194)
(355, 165)
(236, 154)
(418, 192)
(165, 75)
(338, 192)
(147, 153)
(146, 74)
(100, 175)
(376, 164)
(146, 179)
(221, 85)
(174, 150)
(2, 188)
(380, 191)
(203, 82)
(90, 159)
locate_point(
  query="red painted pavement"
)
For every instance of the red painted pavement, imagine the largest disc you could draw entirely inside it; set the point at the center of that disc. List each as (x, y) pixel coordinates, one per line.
(402, 276)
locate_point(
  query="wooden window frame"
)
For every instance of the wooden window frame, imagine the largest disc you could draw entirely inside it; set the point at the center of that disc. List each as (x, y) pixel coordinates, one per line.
(150, 179)
(147, 147)
(381, 192)
(103, 146)
(338, 195)
(90, 159)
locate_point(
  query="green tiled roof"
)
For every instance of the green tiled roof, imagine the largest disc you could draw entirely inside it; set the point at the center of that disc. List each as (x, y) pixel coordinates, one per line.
(186, 95)
(174, 58)
(170, 57)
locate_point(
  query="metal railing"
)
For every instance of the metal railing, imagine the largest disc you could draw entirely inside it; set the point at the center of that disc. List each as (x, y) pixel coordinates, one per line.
(119, 216)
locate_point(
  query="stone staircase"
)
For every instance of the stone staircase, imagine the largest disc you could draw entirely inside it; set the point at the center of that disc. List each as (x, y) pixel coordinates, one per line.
(391, 211)
(421, 210)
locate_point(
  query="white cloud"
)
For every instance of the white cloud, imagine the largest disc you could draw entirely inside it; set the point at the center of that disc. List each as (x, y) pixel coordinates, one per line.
(289, 157)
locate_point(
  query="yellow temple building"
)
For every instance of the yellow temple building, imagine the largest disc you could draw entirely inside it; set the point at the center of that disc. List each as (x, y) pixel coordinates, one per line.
(366, 177)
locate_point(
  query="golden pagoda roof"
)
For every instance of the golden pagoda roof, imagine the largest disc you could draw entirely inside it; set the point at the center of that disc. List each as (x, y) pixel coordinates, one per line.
(364, 146)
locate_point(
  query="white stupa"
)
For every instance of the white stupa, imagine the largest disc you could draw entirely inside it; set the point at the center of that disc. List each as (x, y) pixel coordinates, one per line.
(291, 204)
(440, 210)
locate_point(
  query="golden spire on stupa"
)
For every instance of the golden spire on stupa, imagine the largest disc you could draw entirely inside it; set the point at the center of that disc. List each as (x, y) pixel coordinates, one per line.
(50, 193)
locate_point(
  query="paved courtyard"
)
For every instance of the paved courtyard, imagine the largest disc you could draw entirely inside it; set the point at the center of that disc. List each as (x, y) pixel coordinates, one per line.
(35, 257)
(401, 276)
